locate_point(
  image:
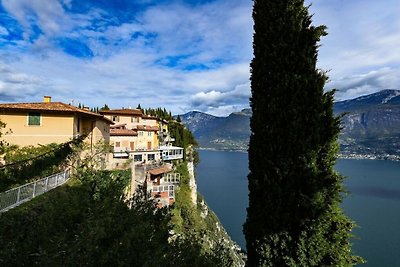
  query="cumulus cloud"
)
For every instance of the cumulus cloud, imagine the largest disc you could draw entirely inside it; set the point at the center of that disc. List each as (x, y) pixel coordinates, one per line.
(366, 83)
(217, 101)
(177, 54)
(49, 16)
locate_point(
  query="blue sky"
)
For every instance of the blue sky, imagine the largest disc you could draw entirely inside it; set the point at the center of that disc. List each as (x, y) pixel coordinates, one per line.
(182, 55)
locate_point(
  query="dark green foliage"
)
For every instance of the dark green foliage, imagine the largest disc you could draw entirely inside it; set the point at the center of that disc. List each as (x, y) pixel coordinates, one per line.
(105, 107)
(294, 218)
(71, 226)
(160, 113)
(87, 222)
(198, 241)
(3, 144)
(183, 136)
(30, 163)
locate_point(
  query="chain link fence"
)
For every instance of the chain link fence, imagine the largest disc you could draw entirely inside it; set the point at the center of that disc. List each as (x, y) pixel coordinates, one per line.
(16, 196)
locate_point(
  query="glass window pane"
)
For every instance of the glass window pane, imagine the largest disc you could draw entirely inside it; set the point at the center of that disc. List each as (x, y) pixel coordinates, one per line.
(34, 118)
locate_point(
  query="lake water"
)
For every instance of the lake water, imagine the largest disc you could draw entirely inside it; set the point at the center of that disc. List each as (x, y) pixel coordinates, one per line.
(374, 201)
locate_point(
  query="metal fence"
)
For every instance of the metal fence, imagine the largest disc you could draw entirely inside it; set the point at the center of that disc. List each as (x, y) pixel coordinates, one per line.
(16, 196)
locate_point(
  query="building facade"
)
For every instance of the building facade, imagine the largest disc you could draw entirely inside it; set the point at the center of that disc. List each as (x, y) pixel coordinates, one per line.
(143, 138)
(51, 122)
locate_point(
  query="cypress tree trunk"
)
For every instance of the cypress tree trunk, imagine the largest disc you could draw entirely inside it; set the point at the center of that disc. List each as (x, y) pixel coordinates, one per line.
(294, 216)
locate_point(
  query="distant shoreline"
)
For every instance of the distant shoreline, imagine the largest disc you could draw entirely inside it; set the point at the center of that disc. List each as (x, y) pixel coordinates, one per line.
(340, 156)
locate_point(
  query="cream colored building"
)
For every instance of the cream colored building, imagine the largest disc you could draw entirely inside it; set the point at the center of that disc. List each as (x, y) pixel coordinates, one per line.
(134, 135)
(51, 122)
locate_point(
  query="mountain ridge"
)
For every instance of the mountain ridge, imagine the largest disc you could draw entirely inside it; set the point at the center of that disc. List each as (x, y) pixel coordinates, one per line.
(370, 126)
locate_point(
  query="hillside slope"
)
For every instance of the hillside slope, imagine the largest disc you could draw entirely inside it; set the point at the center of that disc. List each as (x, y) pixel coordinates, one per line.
(371, 126)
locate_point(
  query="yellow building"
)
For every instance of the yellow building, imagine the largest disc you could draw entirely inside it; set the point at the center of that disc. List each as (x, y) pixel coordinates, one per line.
(140, 137)
(51, 122)
(134, 135)
(129, 117)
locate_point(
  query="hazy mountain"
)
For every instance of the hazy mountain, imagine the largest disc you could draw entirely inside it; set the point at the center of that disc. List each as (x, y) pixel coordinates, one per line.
(230, 132)
(371, 125)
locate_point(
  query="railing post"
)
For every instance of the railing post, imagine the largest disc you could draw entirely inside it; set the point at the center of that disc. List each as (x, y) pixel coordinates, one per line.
(56, 180)
(18, 194)
(34, 189)
(47, 183)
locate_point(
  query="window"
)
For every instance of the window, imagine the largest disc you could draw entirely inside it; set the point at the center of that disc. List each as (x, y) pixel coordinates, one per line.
(140, 133)
(78, 124)
(117, 144)
(132, 145)
(134, 119)
(115, 118)
(137, 158)
(34, 118)
(151, 157)
(148, 133)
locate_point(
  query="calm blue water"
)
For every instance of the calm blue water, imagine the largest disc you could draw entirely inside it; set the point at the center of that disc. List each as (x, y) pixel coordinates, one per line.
(374, 202)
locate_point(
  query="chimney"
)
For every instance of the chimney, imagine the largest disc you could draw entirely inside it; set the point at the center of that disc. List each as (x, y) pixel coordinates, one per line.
(46, 99)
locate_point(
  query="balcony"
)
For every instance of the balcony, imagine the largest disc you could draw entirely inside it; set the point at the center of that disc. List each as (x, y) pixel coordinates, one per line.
(171, 152)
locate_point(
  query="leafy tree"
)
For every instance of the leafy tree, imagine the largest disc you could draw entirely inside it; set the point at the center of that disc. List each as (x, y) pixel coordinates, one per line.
(105, 107)
(294, 216)
(3, 144)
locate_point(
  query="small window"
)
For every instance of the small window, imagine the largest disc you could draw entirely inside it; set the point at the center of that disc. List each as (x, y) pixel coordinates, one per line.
(137, 158)
(115, 118)
(78, 125)
(117, 144)
(148, 133)
(34, 118)
(150, 157)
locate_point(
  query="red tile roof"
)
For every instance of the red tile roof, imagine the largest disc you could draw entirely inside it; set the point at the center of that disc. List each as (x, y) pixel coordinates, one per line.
(122, 132)
(50, 107)
(146, 128)
(160, 170)
(118, 125)
(128, 111)
(147, 117)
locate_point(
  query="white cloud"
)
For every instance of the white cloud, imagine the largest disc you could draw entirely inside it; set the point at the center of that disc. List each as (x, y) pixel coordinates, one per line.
(3, 31)
(49, 15)
(216, 101)
(185, 56)
(366, 83)
(362, 35)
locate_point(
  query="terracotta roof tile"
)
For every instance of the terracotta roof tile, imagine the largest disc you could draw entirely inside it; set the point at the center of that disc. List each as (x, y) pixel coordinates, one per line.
(122, 132)
(160, 170)
(134, 112)
(147, 117)
(118, 125)
(56, 107)
(147, 128)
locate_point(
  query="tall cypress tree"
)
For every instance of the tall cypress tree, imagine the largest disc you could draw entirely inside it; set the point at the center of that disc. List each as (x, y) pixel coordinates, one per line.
(294, 216)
